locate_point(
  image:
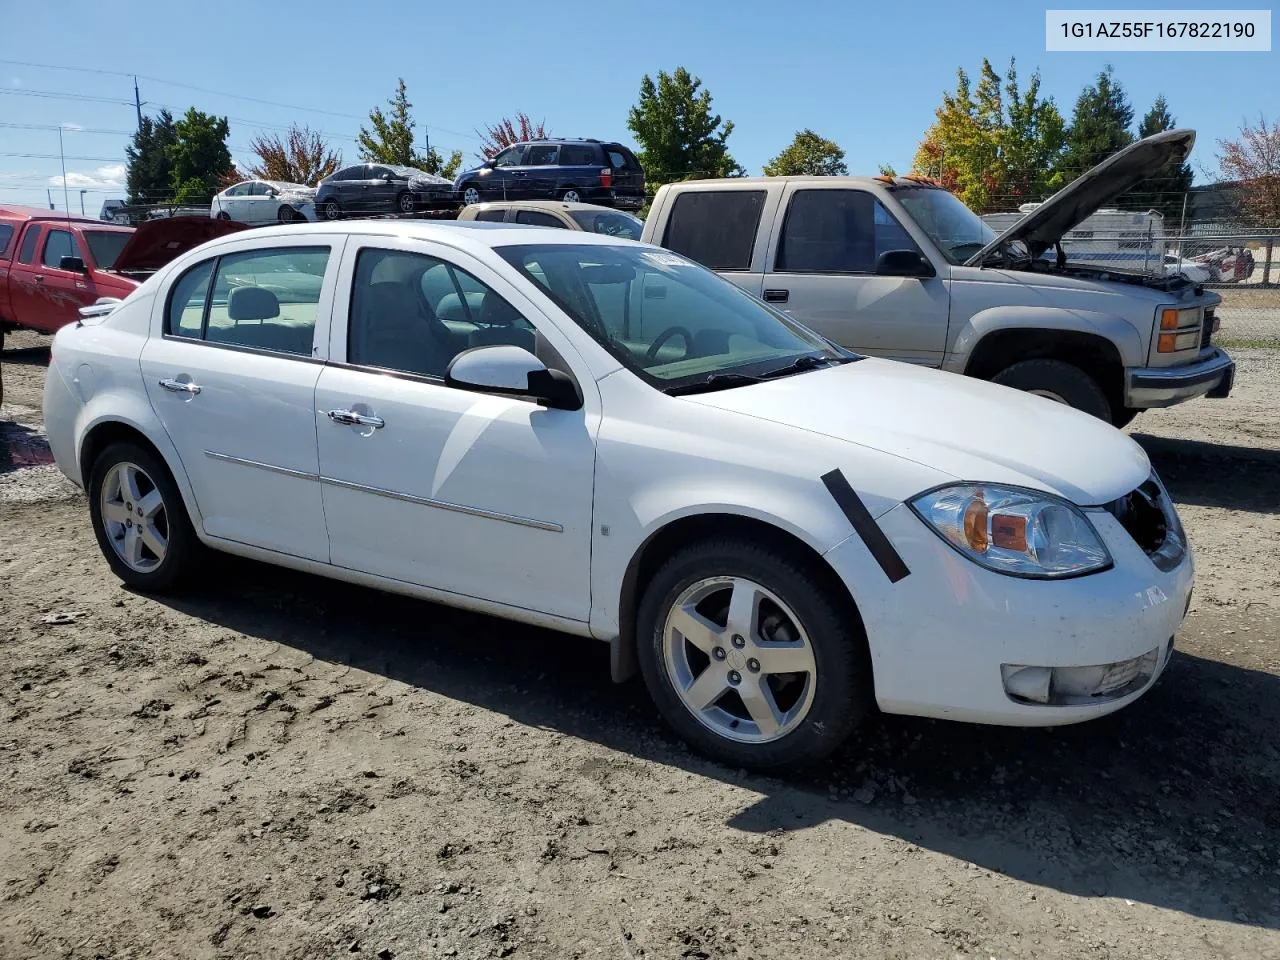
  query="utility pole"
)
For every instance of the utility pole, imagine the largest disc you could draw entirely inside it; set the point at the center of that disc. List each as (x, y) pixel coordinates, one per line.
(82, 193)
(66, 201)
(50, 194)
(137, 102)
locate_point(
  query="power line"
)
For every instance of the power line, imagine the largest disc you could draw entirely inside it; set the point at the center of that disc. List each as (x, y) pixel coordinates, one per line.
(59, 95)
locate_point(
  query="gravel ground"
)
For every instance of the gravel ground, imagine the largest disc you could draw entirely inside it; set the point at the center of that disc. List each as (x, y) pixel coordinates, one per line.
(1250, 316)
(279, 766)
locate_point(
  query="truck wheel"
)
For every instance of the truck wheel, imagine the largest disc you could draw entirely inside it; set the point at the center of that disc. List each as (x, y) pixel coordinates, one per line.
(1, 364)
(1057, 381)
(749, 657)
(1123, 416)
(140, 520)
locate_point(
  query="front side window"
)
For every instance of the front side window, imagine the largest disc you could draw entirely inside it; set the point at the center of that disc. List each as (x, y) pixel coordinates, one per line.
(413, 313)
(261, 299)
(58, 244)
(537, 218)
(612, 223)
(510, 157)
(715, 228)
(542, 155)
(665, 318)
(838, 231)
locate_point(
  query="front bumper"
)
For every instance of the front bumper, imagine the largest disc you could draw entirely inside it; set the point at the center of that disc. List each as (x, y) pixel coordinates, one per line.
(942, 637)
(1212, 375)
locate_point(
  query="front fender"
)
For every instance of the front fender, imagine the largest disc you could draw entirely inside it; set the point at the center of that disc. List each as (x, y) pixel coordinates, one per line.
(126, 407)
(1118, 331)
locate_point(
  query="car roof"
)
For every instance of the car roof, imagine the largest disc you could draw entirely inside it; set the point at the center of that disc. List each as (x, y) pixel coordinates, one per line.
(742, 182)
(471, 236)
(553, 205)
(16, 212)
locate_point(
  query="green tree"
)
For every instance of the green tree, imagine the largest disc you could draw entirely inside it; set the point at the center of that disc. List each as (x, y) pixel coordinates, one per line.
(149, 174)
(1163, 191)
(679, 137)
(994, 146)
(198, 157)
(809, 154)
(1099, 126)
(391, 139)
(886, 170)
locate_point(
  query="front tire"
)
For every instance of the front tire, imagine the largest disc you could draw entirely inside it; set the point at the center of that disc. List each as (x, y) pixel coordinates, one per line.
(140, 520)
(286, 214)
(749, 656)
(1058, 381)
(471, 194)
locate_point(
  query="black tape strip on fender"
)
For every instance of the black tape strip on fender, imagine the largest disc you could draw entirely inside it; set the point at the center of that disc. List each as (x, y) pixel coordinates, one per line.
(891, 562)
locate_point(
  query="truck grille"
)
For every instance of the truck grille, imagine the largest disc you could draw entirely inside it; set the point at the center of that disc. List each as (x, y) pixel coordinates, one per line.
(1206, 332)
(1148, 516)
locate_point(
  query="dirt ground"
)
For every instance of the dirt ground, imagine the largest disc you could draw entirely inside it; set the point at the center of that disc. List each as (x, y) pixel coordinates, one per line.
(278, 766)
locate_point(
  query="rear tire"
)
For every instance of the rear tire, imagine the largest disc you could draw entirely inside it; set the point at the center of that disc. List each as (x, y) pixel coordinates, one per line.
(780, 685)
(1058, 381)
(572, 195)
(223, 215)
(331, 210)
(140, 520)
(405, 202)
(1123, 416)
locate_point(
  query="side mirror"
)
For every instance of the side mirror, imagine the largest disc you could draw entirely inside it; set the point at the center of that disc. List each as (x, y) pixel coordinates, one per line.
(904, 263)
(513, 371)
(74, 264)
(387, 178)
(488, 164)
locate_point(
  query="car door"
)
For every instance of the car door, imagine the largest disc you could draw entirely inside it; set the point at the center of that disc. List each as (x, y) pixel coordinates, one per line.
(475, 494)
(822, 270)
(235, 202)
(28, 299)
(381, 189)
(253, 203)
(63, 292)
(720, 229)
(231, 372)
(536, 180)
(508, 175)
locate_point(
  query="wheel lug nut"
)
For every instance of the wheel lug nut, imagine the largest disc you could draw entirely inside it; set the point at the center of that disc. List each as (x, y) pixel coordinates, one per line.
(719, 653)
(738, 641)
(753, 665)
(735, 677)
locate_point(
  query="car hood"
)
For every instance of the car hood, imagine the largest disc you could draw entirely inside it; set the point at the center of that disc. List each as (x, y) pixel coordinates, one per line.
(1048, 223)
(156, 242)
(970, 429)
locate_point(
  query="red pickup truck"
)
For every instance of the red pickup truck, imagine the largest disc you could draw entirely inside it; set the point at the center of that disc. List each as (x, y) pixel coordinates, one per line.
(51, 265)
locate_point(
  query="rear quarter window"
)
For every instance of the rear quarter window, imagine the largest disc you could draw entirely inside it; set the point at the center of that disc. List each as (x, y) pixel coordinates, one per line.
(715, 228)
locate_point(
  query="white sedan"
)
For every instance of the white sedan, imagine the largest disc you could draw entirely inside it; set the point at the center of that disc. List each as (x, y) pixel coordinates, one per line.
(265, 201)
(605, 438)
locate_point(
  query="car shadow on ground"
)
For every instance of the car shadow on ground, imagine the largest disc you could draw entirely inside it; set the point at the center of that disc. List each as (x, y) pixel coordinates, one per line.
(1210, 474)
(1173, 802)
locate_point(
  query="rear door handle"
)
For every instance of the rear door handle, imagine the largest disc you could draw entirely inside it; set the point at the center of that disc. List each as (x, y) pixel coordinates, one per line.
(776, 296)
(180, 386)
(39, 278)
(352, 419)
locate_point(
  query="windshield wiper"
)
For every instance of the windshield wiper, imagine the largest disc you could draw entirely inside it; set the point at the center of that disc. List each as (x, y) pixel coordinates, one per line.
(800, 364)
(716, 381)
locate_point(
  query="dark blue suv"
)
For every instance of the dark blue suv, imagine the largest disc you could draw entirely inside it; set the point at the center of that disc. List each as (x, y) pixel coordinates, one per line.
(586, 171)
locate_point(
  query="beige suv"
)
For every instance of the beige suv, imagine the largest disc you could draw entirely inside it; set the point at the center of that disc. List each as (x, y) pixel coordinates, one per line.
(556, 213)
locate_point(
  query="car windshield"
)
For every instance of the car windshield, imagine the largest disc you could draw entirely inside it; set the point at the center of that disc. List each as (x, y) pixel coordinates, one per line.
(106, 245)
(955, 230)
(611, 223)
(676, 324)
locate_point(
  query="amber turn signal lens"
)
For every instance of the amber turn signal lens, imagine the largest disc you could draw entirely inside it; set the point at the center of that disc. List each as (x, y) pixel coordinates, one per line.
(1009, 532)
(1168, 343)
(1169, 320)
(975, 525)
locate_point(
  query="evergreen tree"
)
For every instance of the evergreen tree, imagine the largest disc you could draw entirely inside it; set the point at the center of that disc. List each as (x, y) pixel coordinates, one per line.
(679, 137)
(1165, 190)
(199, 159)
(809, 154)
(1099, 126)
(149, 172)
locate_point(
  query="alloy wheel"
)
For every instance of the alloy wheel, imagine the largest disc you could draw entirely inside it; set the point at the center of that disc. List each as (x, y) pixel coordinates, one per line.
(471, 195)
(406, 203)
(739, 659)
(572, 196)
(134, 517)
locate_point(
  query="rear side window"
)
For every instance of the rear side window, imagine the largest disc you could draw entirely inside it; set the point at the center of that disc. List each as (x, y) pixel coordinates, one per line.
(837, 231)
(6, 234)
(262, 299)
(715, 228)
(620, 158)
(492, 216)
(542, 155)
(28, 251)
(577, 155)
(58, 244)
(538, 219)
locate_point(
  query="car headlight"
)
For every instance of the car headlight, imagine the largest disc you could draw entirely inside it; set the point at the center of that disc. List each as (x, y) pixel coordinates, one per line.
(1023, 533)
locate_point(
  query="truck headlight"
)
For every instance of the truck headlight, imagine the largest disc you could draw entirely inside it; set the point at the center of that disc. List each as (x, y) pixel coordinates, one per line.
(1022, 533)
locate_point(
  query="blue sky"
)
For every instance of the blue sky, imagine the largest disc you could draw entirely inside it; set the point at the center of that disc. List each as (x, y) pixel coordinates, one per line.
(867, 76)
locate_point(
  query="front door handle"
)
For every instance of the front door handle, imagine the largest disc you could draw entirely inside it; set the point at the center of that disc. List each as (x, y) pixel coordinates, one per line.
(352, 419)
(776, 296)
(180, 386)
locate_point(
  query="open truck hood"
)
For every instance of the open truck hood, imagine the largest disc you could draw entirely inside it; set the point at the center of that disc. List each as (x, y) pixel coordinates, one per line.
(156, 242)
(1048, 223)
